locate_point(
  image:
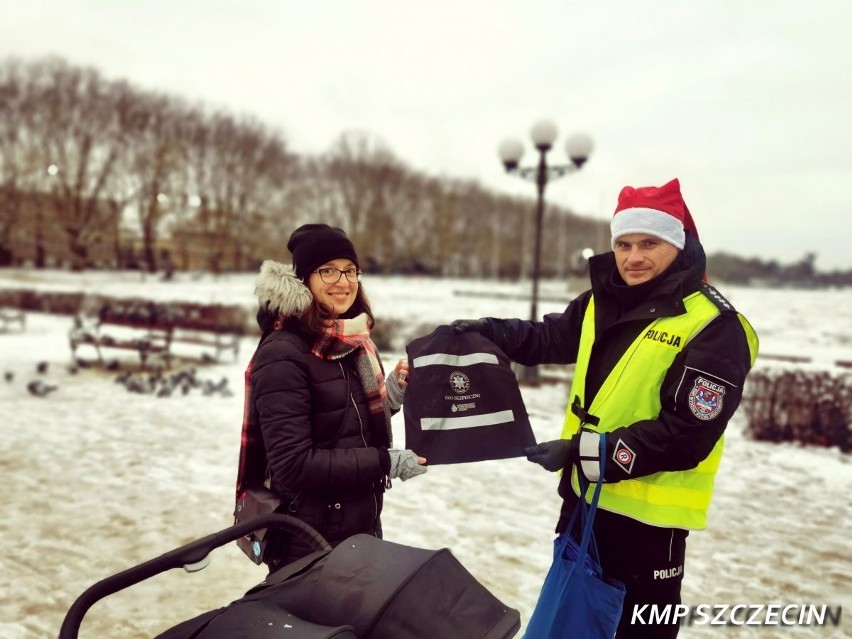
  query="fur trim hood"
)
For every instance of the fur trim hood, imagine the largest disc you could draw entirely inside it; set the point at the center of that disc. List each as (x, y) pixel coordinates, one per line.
(278, 287)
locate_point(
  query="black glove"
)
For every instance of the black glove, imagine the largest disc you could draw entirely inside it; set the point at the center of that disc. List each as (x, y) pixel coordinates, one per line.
(472, 326)
(555, 455)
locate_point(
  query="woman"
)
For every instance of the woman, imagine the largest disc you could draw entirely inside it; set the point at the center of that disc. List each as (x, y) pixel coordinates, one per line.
(318, 407)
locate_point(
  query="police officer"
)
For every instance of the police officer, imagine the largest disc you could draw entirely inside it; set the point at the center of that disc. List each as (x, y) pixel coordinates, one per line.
(661, 358)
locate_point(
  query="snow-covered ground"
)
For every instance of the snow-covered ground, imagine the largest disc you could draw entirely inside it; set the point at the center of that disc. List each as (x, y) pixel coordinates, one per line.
(98, 479)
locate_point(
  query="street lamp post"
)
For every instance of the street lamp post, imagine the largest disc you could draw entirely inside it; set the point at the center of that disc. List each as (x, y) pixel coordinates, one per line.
(41, 250)
(578, 147)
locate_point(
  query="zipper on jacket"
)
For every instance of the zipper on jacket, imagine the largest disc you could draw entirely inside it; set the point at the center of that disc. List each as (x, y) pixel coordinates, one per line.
(351, 399)
(364, 439)
(360, 421)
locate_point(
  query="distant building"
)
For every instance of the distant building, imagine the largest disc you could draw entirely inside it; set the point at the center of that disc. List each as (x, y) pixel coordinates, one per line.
(35, 233)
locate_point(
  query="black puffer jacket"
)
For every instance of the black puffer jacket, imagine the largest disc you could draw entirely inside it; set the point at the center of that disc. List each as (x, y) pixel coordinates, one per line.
(314, 420)
(322, 451)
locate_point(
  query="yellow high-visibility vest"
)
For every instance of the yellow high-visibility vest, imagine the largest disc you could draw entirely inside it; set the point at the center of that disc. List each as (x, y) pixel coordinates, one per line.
(630, 393)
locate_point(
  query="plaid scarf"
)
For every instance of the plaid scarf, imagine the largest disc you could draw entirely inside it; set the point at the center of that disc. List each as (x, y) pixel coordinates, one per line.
(346, 336)
(251, 470)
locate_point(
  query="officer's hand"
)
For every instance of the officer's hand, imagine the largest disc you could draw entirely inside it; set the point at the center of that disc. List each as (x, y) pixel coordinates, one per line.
(472, 326)
(554, 455)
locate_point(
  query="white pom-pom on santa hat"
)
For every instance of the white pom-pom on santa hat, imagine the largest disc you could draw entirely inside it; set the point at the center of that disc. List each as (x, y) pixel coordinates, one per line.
(658, 211)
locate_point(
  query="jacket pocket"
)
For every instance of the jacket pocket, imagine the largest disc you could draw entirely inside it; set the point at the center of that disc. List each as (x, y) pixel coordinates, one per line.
(341, 518)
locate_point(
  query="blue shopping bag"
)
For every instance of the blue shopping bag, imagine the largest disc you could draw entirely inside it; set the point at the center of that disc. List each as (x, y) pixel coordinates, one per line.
(577, 601)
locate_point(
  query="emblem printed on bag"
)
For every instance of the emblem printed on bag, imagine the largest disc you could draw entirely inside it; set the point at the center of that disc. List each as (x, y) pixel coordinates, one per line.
(705, 399)
(624, 456)
(462, 407)
(459, 382)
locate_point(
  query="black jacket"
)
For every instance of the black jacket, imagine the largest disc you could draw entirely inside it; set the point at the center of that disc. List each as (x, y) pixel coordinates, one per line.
(322, 451)
(676, 439)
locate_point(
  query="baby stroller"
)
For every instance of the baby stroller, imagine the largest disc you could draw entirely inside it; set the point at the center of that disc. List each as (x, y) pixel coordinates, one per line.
(365, 588)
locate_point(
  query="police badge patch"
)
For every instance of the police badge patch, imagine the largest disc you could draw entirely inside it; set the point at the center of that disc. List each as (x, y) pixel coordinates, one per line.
(705, 399)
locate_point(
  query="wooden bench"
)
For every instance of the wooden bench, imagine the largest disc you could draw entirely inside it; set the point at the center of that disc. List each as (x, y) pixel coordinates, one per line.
(153, 329)
(217, 326)
(9, 316)
(11, 310)
(121, 324)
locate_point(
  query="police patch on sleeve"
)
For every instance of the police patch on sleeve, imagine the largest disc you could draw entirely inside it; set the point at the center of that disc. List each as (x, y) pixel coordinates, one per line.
(706, 398)
(624, 456)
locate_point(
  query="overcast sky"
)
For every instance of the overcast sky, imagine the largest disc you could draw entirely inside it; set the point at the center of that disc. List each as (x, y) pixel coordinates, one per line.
(748, 103)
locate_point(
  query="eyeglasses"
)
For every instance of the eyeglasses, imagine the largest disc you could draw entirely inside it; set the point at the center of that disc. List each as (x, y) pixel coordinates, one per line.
(331, 275)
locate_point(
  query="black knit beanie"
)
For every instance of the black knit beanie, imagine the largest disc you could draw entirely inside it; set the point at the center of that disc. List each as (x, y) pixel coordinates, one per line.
(315, 244)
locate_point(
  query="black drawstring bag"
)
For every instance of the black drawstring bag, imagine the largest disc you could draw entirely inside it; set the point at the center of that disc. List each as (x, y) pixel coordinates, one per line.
(463, 403)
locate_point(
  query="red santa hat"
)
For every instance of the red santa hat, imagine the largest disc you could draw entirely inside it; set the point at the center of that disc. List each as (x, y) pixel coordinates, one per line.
(658, 211)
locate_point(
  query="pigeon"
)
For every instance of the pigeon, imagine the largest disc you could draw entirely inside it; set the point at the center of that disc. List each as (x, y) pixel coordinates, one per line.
(40, 389)
(220, 387)
(167, 386)
(192, 379)
(137, 386)
(9, 376)
(41, 368)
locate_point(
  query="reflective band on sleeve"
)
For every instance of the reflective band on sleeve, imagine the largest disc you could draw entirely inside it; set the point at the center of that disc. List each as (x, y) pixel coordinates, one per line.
(591, 469)
(470, 421)
(449, 359)
(590, 444)
(590, 455)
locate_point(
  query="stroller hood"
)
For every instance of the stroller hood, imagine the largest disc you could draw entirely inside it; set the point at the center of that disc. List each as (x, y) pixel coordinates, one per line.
(379, 589)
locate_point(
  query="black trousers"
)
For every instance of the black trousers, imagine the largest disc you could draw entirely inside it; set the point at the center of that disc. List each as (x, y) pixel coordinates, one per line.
(649, 560)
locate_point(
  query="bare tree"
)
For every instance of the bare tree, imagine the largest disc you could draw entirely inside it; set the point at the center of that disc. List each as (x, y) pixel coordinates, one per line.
(13, 156)
(411, 206)
(73, 114)
(228, 188)
(313, 196)
(156, 158)
(237, 167)
(358, 168)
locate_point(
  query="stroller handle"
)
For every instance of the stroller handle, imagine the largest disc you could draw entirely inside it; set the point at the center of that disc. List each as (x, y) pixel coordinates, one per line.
(188, 554)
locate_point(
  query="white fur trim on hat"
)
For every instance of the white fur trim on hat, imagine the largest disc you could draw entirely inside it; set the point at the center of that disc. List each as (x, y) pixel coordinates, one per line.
(649, 221)
(278, 286)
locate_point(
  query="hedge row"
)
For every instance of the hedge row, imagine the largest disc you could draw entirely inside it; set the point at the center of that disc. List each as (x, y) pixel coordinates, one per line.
(60, 303)
(233, 318)
(810, 407)
(388, 334)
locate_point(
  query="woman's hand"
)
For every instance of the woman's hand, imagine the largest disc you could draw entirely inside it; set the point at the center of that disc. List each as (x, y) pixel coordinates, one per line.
(401, 371)
(406, 464)
(396, 383)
